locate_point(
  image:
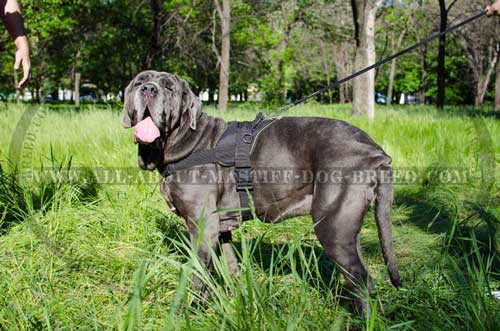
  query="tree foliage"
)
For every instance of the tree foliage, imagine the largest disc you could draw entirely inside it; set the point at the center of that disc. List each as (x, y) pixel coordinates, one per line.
(287, 49)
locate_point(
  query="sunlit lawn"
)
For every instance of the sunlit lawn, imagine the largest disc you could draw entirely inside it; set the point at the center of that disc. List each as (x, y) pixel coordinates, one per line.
(80, 255)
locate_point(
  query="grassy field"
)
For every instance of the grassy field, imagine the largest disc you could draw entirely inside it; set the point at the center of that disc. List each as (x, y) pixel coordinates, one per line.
(82, 255)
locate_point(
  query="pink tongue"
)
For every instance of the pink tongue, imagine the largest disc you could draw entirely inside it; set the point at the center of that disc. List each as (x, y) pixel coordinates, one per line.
(146, 131)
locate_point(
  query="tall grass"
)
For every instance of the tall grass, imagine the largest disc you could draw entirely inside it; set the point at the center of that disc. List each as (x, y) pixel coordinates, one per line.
(78, 255)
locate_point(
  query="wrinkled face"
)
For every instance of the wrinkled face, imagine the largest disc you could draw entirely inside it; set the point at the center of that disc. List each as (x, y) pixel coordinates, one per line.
(157, 103)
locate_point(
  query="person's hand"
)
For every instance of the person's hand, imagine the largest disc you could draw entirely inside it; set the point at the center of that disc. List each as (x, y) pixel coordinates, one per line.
(494, 9)
(23, 58)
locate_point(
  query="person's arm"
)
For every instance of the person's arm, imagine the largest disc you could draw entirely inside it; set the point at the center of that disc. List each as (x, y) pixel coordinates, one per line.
(10, 14)
(494, 9)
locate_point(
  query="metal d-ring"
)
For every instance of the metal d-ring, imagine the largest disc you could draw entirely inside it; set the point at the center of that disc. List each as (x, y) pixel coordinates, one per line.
(247, 138)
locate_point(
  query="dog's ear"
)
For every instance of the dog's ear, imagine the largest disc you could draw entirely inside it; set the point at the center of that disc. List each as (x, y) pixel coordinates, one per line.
(190, 104)
(127, 109)
(126, 123)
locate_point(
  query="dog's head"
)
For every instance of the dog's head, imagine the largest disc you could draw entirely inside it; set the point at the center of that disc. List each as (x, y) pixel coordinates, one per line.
(156, 104)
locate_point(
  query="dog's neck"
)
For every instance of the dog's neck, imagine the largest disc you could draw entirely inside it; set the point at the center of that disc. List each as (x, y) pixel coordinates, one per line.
(183, 140)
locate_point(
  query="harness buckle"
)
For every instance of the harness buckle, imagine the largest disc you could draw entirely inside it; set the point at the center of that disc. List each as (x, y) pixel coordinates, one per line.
(244, 186)
(243, 176)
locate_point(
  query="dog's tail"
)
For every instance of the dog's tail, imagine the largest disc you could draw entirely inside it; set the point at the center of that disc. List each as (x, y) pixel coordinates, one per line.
(383, 203)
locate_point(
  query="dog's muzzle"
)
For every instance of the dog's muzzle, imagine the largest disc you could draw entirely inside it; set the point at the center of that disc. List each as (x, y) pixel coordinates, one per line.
(149, 90)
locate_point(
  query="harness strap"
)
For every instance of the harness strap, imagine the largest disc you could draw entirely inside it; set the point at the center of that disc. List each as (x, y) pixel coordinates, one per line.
(200, 157)
(242, 167)
(233, 149)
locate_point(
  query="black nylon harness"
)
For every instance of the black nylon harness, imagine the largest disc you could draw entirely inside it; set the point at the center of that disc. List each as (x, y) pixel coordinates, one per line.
(232, 150)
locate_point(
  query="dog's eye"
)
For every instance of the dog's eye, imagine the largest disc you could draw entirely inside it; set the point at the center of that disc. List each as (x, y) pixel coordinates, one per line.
(137, 83)
(167, 87)
(166, 84)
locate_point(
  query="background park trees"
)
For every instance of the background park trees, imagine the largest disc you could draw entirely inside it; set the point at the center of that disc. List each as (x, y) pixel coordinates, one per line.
(285, 49)
(364, 16)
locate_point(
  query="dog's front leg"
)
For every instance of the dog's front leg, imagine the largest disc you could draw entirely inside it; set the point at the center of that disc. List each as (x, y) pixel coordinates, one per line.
(204, 239)
(228, 252)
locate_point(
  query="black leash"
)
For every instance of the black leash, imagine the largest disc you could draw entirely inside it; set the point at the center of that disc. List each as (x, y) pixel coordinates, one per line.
(384, 61)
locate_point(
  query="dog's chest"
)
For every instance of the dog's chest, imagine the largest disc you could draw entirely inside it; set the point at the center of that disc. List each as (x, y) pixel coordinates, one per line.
(195, 191)
(231, 156)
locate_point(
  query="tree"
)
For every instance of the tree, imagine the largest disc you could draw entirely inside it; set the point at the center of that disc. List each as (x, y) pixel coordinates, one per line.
(497, 89)
(394, 47)
(285, 49)
(224, 12)
(291, 14)
(7, 49)
(364, 14)
(341, 35)
(479, 42)
(397, 18)
(158, 19)
(313, 50)
(441, 71)
(60, 35)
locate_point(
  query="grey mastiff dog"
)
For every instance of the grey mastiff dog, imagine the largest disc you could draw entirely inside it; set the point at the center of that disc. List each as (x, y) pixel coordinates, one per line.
(345, 172)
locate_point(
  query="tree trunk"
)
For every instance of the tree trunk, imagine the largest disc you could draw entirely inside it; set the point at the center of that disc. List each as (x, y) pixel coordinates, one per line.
(364, 12)
(77, 89)
(158, 18)
(55, 94)
(441, 70)
(482, 79)
(225, 17)
(326, 67)
(477, 98)
(423, 77)
(41, 92)
(482, 88)
(342, 67)
(339, 68)
(284, 46)
(497, 89)
(392, 74)
(211, 96)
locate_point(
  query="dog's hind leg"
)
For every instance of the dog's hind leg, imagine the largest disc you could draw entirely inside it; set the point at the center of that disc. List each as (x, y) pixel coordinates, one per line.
(338, 213)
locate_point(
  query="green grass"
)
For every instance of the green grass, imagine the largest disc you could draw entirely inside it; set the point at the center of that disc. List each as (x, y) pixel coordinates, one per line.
(79, 255)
